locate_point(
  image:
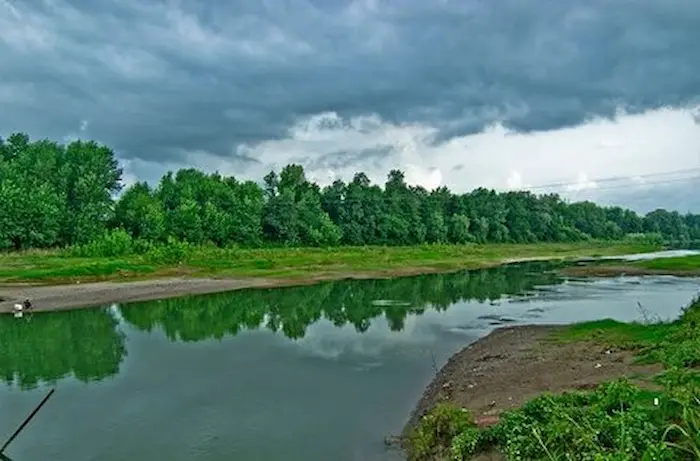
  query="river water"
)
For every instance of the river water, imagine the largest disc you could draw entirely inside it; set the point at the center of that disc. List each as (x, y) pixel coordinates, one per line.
(321, 372)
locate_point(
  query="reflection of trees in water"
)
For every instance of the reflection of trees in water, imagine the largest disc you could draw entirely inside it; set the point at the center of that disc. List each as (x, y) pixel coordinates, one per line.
(48, 346)
(292, 310)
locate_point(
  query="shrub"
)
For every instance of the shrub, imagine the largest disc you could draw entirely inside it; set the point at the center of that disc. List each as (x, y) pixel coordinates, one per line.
(172, 252)
(439, 434)
(112, 243)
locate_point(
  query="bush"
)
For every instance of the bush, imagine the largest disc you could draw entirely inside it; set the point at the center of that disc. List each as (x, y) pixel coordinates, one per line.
(617, 421)
(172, 252)
(649, 238)
(445, 431)
(112, 243)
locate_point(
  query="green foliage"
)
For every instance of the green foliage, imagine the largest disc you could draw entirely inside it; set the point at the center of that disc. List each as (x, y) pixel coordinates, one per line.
(172, 252)
(466, 444)
(650, 238)
(112, 243)
(444, 430)
(616, 421)
(611, 421)
(55, 195)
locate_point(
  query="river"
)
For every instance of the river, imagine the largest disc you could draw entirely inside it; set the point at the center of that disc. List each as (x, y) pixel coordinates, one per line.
(320, 372)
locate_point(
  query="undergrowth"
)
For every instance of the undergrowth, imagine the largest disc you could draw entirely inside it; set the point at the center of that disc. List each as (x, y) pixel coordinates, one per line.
(618, 421)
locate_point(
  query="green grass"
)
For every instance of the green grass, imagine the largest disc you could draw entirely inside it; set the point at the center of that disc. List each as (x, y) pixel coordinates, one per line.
(64, 266)
(681, 263)
(618, 334)
(678, 265)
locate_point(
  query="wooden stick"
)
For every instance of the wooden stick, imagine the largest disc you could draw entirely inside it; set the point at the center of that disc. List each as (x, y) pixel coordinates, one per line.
(26, 421)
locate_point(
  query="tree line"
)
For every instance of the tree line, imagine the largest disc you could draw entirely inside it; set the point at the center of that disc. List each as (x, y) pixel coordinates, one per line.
(56, 195)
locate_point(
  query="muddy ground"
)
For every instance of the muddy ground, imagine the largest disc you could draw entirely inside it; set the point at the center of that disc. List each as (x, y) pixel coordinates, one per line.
(512, 365)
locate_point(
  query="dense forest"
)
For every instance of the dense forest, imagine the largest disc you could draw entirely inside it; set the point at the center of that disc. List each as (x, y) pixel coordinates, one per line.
(54, 195)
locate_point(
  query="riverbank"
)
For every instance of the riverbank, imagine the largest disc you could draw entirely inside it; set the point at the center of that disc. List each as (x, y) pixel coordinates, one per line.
(684, 266)
(504, 381)
(52, 280)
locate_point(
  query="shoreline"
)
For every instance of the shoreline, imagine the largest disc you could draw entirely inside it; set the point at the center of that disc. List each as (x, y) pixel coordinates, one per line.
(51, 297)
(77, 295)
(624, 270)
(511, 365)
(46, 298)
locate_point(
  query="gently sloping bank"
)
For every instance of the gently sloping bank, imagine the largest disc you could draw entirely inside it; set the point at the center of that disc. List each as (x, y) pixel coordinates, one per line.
(679, 266)
(60, 279)
(600, 390)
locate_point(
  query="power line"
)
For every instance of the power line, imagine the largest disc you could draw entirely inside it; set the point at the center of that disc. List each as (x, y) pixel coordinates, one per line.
(384, 199)
(628, 185)
(614, 178)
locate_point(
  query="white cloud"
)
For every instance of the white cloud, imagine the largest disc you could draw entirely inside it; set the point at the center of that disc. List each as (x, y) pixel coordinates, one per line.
(582, 183)
(632, 146)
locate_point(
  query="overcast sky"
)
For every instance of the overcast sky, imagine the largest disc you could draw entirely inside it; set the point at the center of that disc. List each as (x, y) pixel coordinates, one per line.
(464, 93)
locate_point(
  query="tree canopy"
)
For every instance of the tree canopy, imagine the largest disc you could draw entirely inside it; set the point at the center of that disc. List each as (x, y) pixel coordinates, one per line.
(54, 195)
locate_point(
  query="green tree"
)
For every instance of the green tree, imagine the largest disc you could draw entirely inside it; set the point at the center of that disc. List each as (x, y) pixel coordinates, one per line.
(140, 213)
(93, 177)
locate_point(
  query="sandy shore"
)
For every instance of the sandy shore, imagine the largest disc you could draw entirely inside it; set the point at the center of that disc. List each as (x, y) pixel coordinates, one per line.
(83, 295)
(512, 365)
(46, 298)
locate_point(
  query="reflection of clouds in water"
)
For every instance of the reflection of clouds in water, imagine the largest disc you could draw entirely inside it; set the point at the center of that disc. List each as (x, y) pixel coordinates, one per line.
(466, 321)
(325, 340)
(114, 310)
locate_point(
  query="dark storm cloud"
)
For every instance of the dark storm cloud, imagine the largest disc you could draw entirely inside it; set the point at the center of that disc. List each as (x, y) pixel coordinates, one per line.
(156, 79)
(342, 159)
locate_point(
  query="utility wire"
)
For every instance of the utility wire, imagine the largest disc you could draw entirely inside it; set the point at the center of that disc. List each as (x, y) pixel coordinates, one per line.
(617, 178)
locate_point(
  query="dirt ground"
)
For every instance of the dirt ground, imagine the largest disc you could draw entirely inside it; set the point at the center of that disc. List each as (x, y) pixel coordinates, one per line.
(91, 294)
(514, 364)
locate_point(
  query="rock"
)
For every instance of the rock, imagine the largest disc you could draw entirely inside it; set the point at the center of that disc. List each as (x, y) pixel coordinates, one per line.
(486, 420)
(392, 440)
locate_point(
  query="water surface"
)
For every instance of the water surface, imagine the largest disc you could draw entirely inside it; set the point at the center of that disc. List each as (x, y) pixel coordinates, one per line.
(310, 373)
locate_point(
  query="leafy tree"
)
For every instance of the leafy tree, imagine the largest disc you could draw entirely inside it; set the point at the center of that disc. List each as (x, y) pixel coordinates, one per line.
(55, 195)
(93, 177)
(140, 213)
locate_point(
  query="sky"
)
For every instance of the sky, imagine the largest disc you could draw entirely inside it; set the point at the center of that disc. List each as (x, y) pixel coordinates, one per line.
(599, 99)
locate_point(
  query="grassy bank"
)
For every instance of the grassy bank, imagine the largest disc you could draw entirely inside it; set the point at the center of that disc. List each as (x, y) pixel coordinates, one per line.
(680, 266)
(687, 263)
(617, 421)
(70, 266)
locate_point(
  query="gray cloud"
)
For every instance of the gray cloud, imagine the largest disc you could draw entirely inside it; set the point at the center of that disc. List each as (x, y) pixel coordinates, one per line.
(160, 80)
